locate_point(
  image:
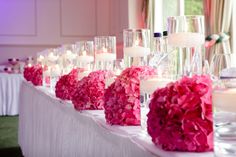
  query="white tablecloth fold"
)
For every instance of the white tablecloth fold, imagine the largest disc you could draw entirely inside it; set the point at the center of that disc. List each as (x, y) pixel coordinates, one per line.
(49, 127)
(9, 93)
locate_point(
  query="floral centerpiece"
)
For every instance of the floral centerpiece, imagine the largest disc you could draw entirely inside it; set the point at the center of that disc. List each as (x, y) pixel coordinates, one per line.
(122, 98)
(34, 74)
(90, 91)
(180, 116)
(66, 85)
(28, 73)
(37, 75)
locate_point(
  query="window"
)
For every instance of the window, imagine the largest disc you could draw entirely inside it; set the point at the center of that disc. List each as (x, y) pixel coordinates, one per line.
(193, 7)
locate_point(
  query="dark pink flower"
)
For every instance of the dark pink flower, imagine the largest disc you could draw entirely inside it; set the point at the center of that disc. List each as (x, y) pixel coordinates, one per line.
(34, 74)
(28, 73)
(66, 85)
(122, 98)
(180, 116)
(89, 94)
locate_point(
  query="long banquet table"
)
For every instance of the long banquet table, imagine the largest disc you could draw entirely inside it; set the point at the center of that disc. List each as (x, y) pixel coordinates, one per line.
(49, 127)
(9, 93)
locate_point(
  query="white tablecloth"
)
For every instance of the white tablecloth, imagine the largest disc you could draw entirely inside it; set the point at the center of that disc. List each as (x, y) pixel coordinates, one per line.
(49, 127)
(9, 93)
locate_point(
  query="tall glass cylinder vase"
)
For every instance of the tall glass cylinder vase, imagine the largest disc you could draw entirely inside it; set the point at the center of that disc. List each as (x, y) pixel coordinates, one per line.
(136, 46)
(187, 37)
(69, 57)
(85, 55)
(105, 52)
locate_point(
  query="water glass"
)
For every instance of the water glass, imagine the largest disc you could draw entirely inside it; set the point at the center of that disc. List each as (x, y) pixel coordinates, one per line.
(223, 99)
(218, 63)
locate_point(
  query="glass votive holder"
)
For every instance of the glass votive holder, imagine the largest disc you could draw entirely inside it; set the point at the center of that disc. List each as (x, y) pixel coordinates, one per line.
(56, 72)
(224, 117)
(136, 46)
(41, 57)
(47, 76)
(148, 85)
(69, 57)
(85, 55)
(105, 52)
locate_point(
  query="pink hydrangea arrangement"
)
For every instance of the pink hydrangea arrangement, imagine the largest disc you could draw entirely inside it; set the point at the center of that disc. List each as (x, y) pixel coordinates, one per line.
(28, 73)
(90, 91)
(66, 85)
(37, 75)
(122, 97)
(180, 116)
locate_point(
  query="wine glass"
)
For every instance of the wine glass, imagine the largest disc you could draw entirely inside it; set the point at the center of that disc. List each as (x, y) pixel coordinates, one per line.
(218, 63)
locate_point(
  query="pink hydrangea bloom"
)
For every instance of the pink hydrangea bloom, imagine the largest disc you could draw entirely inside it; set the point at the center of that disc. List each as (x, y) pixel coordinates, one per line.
(90, 91)
(37, 75)
(180, 116)
(66, 85)
(28, 73)
(122, 98)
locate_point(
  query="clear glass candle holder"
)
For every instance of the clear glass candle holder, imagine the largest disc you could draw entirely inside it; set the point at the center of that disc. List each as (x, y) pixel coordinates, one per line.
(105, 52)
(55, 73)
(148, 85)
(85, 55)
(69, 57)
(136, 47)
(224, 117)
(187, 38)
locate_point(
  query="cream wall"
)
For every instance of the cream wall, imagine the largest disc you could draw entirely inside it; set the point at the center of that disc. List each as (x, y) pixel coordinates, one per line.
(29, 26)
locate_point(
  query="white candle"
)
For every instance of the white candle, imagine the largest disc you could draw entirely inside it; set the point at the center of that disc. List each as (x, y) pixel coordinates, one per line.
(105, 56)
(224, 100)
(40, 58)
(56, 71)
(85, 58)
(136, 51)
(69, 55)
(151, 84)
(47, 72)
(52, 57)
(186, 39)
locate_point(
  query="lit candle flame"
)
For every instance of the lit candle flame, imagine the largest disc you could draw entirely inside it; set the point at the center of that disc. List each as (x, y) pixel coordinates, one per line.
(136, 43)
(104, 50)
(84, 53)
